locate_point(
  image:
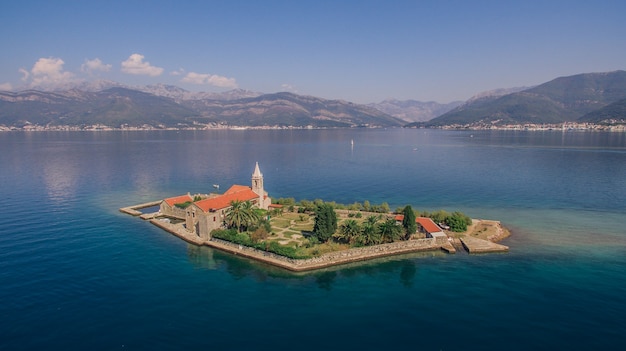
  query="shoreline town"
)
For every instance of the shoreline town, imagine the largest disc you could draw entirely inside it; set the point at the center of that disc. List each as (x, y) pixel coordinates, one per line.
(618, 127)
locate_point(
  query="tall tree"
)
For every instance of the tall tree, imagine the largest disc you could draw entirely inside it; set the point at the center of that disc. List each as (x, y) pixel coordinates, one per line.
(349, 231)
(325, 222)
(389, 230)
(408, 222)
(241, 215)
(369, 232)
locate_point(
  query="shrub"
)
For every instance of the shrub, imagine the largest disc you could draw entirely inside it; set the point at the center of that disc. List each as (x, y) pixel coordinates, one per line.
(184, 204)
(259, 234)
(244, 239)
(458, 222)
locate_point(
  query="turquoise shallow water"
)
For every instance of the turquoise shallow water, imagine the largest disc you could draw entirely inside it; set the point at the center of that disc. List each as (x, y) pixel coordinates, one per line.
(77, 274)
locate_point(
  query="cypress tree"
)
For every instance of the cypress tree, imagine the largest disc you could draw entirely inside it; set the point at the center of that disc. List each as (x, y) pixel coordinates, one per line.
(408, 222)
(325, 222)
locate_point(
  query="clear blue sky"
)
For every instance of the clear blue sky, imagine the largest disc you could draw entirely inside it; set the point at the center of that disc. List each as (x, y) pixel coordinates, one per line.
(361, 51)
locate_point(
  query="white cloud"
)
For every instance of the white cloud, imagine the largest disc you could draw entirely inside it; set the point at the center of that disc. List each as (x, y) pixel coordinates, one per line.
(25, 74)
(289, 87)
(136, 65)
(178, 72)
(6, 86)
(209, 79)
(47, 72)
(96, 64)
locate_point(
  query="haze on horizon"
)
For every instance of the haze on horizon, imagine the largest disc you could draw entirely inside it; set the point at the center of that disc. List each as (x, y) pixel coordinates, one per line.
(360, 51)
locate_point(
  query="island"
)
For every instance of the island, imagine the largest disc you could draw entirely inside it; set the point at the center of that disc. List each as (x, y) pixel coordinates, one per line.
(310, 235)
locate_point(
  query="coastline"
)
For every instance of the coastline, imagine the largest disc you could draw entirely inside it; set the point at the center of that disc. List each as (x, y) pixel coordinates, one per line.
(309, 264)
(480, 237)
(484, 229)
(529, 127)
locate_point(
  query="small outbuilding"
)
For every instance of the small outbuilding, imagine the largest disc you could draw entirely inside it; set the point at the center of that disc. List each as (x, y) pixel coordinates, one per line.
(427, 226)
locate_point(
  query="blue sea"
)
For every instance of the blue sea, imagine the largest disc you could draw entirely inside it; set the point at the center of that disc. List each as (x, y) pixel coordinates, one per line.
(76, 274)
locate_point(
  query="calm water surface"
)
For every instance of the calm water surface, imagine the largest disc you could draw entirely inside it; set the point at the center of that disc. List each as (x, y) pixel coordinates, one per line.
(77, 274)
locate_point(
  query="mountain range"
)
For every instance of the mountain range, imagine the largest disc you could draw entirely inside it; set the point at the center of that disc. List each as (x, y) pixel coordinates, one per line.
(413, 110)
(591, 97)
(162, 106)
(565, 99)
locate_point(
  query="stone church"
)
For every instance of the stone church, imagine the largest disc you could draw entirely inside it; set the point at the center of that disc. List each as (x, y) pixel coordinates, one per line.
(209, 213)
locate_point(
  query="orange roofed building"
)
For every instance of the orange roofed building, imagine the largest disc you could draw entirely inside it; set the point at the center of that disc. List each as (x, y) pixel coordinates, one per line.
(425, 225)
(209, 213)
(168, 206)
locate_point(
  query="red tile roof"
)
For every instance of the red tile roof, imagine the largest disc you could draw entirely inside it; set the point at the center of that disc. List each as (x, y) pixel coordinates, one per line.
(236, 188)
(425, 222)
(428, 224)
(236, 192)
(178, 199)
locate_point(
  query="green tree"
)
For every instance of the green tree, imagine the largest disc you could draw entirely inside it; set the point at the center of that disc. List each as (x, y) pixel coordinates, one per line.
(354, 207)
(369, 233)
(373, 219)
(241, 215)
(289, 201)
(325, 222)
(308, 206)
(439, 216)
(349, 232)
(384, 207)
(366, 206)
(408, 222)
(263, 223)
(458, 222)
(389, 230)
(278, 211)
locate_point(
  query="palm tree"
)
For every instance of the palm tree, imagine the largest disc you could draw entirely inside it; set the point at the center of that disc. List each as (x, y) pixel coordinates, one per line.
(241, 215)
(369, 233)
(252, 214)
(349, 231)
(389, 230)
(373, 219)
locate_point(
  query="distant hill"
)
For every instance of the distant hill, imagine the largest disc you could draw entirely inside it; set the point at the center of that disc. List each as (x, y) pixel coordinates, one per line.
(614, 113)
(494, 94)
(562, 99)
(413, 110)
(179, 94)
(112, 107)
(287, 109)
(119, 106)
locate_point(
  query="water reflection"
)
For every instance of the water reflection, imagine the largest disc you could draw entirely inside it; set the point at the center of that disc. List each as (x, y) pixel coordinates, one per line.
(60, 173)
(404, 267)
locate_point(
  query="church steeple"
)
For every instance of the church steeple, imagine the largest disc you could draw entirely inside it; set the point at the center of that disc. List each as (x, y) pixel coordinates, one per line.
(257, 185)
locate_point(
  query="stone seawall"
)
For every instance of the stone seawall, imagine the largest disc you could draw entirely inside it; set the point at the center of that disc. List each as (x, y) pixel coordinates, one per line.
(329, 259)
(299, 265)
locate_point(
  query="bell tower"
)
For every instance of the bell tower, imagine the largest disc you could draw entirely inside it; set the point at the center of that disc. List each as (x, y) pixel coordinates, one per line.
(257, 185)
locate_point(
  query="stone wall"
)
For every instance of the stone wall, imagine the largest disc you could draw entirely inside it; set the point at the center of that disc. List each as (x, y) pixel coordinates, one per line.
(172, 211)
(329, 259)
